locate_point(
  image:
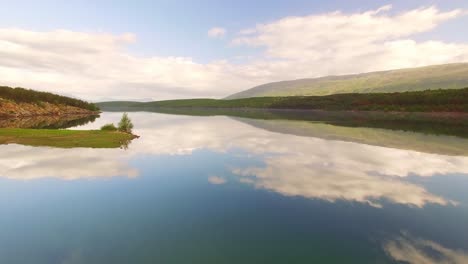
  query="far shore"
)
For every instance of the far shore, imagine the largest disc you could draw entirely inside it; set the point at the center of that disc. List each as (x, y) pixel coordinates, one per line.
(449, 100)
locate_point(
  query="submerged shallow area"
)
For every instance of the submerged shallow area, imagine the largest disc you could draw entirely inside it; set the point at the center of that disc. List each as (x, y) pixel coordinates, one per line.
(219, 189)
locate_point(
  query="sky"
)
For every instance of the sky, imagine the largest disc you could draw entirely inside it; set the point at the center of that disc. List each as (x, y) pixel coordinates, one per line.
(155, 50)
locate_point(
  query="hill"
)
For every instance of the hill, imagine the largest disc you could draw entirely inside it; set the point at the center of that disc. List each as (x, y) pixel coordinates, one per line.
(20, 102)
(450, 100)
(447, 76)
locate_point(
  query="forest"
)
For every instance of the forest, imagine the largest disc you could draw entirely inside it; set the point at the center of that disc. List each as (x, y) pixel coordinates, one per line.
(22, 95)
(442, 100)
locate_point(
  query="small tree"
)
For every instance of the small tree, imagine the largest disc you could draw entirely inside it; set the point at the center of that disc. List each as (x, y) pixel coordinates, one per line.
(125, 124)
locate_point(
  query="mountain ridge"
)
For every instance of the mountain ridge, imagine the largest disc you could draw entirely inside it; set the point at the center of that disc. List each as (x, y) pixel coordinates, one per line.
(445, 76)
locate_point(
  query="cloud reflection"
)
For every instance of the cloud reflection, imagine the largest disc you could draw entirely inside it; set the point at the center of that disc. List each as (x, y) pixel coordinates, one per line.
(216, 180)
(30, 163)
(310, 167)
(324, 181)
(415, 251)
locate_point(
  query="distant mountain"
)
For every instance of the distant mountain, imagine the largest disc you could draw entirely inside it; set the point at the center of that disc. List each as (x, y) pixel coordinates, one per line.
(447, 76)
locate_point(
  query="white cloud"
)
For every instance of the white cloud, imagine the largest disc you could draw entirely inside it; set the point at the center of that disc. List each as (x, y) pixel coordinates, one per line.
(338, 43)
(94, 65)
(98, 65)
(217, 32)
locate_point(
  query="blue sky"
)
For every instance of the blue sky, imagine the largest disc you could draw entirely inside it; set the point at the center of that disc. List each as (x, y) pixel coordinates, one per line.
(179, 28)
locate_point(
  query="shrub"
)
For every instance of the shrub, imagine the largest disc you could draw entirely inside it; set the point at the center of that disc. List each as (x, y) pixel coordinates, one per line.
(109, 127)
(125, 124)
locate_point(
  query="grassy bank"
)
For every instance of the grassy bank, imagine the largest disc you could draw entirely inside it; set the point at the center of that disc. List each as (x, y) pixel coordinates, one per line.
(65, 138)
(455, 100)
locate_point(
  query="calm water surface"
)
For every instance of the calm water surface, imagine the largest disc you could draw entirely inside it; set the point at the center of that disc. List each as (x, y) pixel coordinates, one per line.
(232, 190)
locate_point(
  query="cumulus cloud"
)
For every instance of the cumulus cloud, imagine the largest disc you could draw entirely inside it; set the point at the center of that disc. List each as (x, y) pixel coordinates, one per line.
(98, 65)
(94, 65)
(217, 32)
(339, 43)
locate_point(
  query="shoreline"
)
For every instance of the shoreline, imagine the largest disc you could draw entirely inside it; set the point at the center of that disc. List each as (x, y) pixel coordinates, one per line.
(293, 111)
(449, 100)
(81, 113)
(110, 109)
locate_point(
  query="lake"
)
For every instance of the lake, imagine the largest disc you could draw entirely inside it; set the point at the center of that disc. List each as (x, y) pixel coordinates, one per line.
(219, 189)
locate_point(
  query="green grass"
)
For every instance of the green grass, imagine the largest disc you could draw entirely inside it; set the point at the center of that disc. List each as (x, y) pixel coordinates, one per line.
(447, 76)
(451, 100)
(65, 138)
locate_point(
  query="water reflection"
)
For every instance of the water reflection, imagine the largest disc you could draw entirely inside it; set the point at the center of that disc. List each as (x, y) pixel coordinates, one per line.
(32, 163)
(223, 190)
(292, 165)
(455, 124)
(412, 250)
(217, 180)
(398, 139)
(48, 122)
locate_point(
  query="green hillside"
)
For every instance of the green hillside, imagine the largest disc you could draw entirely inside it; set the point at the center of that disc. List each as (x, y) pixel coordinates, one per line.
(447, 76)
(450, 100)
(21, 95)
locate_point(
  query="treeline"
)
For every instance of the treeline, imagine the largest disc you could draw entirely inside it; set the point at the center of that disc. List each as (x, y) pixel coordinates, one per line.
(447, 100)
(443, 100)
(21, 95)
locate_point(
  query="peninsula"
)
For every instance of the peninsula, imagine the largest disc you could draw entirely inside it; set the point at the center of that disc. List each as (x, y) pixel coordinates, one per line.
(17, 104)
(20, 102)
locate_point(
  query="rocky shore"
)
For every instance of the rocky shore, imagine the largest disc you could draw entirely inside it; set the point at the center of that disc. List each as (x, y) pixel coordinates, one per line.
(10, 109)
